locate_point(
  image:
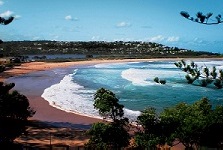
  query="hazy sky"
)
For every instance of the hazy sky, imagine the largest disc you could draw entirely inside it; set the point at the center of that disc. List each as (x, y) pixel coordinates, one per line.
(111, 20)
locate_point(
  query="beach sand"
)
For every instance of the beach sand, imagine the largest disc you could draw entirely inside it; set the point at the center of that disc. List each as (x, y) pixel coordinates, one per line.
(51, 115)
(54, 116)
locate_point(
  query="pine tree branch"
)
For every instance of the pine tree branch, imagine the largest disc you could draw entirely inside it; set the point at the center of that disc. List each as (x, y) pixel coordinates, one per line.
(4, 21)
(202, 19)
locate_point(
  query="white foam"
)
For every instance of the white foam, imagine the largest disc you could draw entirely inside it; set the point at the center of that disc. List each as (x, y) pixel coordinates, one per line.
(135, 62)
(132, 115)
(167, 65)
(72, 97)
(145, 77)
(208, 63)
(110, 65)
(219, 67)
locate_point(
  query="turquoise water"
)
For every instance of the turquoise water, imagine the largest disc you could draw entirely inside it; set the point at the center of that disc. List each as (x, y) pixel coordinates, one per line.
(132, 83)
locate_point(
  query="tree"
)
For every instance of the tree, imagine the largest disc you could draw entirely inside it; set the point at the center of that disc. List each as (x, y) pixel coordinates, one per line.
(202, 18)
(14, 113)
(212, 137)
(149, 136)
(155, 131)
(193, 125)
(110, 135)
(203, 75)
(107, 104)
(98, 136)
(193, 122)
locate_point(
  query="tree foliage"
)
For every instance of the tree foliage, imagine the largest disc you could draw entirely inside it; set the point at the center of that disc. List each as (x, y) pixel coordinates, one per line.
(107, 104)
(4, 21)
(203, 18)
(149, 137)
(203, 75)
(193, 125)
(192, 121)
(110, 135)
(14, 113)
(155, 131)
(161, 81)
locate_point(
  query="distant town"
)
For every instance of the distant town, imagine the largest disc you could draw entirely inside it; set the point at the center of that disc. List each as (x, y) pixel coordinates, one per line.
(99, 49)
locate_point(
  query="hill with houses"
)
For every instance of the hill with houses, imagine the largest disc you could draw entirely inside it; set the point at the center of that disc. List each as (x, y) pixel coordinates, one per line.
(101, 49)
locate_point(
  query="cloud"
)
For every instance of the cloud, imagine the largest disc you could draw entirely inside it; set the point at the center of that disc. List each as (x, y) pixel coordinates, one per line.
(123, 24)
(157, 38)
(69, 17)
(1, 3)
(6, 14)
(95, 38)
(197, 40)
(124, 39)
(98, 38)
(173, 39)
(17, 16)
(161, 38)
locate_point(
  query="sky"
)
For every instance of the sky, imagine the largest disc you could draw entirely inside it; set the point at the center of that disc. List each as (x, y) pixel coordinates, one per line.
(114, 20)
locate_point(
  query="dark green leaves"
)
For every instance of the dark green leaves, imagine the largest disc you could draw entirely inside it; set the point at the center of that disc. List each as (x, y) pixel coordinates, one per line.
(6, 21)
(204, 75)
(161, 81)
(14, 113)
(108, 136)
(185, 14)
(107, 104)
(202, 18)
(111, 135)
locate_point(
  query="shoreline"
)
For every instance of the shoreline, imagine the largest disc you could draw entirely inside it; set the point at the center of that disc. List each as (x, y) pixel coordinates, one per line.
(29, 67)
(63, 120)
(48, 113)
(44, 110)
(52, 115)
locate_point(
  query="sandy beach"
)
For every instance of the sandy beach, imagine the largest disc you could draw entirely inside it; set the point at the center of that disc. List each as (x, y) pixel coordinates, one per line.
(44, 111)
(49, 114)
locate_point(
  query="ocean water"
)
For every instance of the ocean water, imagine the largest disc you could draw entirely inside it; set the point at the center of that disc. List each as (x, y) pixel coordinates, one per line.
(133, 84)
